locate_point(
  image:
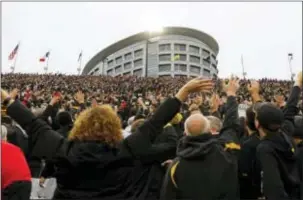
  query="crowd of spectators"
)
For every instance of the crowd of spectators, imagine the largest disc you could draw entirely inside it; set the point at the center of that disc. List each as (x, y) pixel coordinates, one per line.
(182, 138)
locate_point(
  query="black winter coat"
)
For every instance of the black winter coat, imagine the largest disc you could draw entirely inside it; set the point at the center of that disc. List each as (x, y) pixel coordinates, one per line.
(150, 175)
(91, 169)
(206, 166)
(249, 168)
(278, 157)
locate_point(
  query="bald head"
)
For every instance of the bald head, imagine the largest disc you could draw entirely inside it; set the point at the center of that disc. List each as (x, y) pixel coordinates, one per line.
(196, 124)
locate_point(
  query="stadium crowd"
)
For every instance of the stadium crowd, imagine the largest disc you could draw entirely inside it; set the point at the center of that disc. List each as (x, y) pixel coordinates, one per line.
(129, 137)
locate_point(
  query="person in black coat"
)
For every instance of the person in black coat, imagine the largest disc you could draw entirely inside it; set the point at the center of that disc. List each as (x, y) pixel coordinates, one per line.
(249, 166)
(277, 152)
(298, 139)
(206, 166)
(65, 121)
(150, 174)
(95, 162)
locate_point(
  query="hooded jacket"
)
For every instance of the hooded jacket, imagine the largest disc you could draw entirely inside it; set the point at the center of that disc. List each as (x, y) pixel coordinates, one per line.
(278, 157)
(206, 166)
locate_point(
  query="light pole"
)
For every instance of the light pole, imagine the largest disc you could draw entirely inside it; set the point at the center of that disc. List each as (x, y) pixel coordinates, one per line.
(290, 57)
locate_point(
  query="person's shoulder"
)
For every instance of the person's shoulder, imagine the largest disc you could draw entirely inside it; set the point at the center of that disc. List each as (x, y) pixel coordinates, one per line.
(264, 147)
(9, 147)
(252, 141)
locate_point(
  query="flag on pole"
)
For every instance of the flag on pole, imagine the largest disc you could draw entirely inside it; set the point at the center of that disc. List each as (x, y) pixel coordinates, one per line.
(290, 56)
(44, 57)
(80, 56)
(13, 53)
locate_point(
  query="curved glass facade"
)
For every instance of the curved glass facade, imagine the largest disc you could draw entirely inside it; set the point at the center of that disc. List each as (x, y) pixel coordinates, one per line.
(167, 55)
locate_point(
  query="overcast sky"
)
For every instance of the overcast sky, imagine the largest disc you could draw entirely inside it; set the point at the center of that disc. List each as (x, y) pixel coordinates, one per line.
(263, 32)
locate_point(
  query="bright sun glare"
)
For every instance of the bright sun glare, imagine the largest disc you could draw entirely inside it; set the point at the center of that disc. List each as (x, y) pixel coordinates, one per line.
(150, 22)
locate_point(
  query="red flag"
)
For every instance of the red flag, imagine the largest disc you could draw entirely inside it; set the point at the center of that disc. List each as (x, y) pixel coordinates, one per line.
(44, 57)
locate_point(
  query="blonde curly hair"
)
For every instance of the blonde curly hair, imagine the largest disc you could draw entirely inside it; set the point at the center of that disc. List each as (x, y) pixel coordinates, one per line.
(99, 123)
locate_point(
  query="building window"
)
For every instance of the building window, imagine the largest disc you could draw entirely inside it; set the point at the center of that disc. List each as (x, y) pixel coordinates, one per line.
(127, 66)
(110, 72)
(165, 57)
(118, 69)
(180, 57)
(195, 69)
(91, 73)
(205, 53)
(128, 56)
(180, 67)
(165, 68)
(97, 69)
(127, 73)
(206, 61)
(206, 73)
(138, 63)
(164, 47)
(138, 72)
(194, 49)
(110, 63)
(213, 58)
(119, 60)
(139, 53)
(214, 66)
(180, 47)
(194, 59)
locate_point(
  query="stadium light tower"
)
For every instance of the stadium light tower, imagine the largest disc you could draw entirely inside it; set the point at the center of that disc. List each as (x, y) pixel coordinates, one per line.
(290, 58)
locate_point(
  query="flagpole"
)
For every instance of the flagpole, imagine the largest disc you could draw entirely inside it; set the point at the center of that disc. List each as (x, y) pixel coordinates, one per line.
(80, 63)
(46, 67)
(243, 71)
(15, 61)
(290, 57)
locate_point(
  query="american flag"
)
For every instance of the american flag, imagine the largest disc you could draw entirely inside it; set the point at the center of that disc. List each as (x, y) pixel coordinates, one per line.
(13, 53)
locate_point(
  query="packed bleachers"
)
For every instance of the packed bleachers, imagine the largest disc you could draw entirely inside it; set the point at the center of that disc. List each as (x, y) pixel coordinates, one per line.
(131, 137)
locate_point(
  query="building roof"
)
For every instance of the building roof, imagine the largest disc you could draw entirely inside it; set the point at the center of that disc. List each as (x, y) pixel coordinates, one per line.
(205, 38)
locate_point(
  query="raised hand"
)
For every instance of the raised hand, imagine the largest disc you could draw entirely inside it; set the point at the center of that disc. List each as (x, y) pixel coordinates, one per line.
(254, 87)
(195, 85)
(14, 93)
(232, 86)
(94, 103)
(299, 80)
(280, 100)
(55, 100)
(4, 95)
(79, 97)
(214, 102)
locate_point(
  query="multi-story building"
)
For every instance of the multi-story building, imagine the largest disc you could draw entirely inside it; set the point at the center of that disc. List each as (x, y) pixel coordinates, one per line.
(175, 51)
